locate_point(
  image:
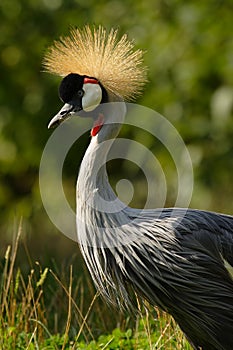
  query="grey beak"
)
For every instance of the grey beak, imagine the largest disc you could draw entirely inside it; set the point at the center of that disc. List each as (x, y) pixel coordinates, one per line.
(64, 113)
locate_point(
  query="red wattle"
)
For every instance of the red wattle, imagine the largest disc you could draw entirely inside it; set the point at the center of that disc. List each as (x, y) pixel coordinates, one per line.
(98, 123)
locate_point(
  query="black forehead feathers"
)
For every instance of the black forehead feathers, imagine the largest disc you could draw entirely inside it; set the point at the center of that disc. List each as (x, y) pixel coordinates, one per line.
(69, 86)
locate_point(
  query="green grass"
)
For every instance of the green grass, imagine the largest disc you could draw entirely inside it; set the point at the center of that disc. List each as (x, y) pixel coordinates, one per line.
(47, 310)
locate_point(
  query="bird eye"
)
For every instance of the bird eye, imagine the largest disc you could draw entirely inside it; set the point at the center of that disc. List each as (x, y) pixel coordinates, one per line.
(80, 93)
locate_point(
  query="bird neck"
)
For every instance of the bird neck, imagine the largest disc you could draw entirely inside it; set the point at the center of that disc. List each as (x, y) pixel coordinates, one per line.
(92, 174)
(94, 192)
(100, 215)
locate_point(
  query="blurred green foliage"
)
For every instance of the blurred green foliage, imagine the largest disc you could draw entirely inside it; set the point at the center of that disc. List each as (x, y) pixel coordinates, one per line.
(189, 52)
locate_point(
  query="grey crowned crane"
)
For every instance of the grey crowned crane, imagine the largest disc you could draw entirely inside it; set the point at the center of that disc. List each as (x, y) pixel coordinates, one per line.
(174, 258)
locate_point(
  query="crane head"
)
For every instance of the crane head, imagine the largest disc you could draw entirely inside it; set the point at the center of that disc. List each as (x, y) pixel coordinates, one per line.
(94, 65)
(78, 93)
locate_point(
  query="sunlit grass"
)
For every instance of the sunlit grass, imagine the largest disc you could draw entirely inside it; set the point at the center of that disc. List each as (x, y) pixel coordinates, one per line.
(28, 321)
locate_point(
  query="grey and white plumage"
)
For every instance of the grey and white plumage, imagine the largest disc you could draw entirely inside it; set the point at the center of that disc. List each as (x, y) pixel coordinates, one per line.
(174, 258)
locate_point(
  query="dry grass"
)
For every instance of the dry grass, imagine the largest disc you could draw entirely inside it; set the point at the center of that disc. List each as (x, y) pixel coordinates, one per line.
(27, 319)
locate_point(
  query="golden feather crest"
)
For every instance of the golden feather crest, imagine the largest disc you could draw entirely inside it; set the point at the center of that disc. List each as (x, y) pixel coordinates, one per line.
(102, 56)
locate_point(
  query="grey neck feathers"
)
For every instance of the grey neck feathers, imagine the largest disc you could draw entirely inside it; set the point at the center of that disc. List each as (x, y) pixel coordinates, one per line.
(97, 204)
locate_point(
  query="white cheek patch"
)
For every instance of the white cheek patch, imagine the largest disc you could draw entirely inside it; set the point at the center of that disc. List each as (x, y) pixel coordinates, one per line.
(92, 96)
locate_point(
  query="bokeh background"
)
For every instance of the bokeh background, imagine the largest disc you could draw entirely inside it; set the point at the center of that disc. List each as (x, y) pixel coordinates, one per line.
(189, 54)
